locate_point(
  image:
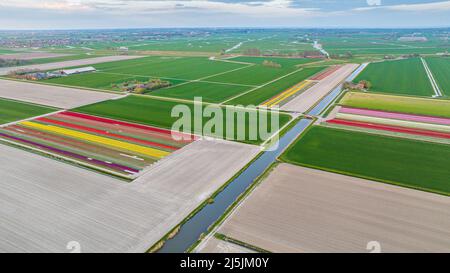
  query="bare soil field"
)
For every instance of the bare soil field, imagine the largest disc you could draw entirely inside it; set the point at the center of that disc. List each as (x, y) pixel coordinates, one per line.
(297, 209)
(55, 96)
(310, 97)
(215, 245)
(65, 64)
(31, 56)
(46, 204)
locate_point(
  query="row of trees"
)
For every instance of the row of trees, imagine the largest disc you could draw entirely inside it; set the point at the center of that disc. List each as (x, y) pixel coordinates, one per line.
(138, 87)
(12, 62)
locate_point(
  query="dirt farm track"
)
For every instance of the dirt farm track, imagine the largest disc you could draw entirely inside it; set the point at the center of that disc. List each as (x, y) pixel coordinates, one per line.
(46, 204)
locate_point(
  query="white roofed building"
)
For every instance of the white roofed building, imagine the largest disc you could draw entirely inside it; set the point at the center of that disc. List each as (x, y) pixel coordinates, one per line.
(78, 70)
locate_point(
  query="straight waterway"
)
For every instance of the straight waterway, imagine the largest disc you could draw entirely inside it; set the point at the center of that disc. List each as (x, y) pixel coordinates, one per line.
(190, 232)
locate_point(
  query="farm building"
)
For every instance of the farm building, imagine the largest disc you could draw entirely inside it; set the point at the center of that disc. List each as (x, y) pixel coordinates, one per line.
(68, 72)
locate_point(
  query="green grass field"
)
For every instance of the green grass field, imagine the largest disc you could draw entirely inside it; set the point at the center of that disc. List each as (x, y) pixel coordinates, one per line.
(407, 77)
(399, 161)
(284, 62)
(412, 105)
(63, 58)
(254, 75)
(96, 80)
(155, 112)
(215, 81)
(185, 68)
(173, 68)
(11, 111)
(266, 92)
(440, 67)
(6, 51)
(210, 92)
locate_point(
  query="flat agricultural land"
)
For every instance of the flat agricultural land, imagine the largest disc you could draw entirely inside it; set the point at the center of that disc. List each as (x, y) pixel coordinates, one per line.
(254, 75)
(119, 148)
(11, 111)
(31, 56)
(297, 209)
(407, 77)
(429, 127)
(67, 64)
(55, 96)
(411, 105)
(157, 112)
(181, 68)
(49, 203)
(440, 67)
(6, 51)
(281, 61)
(310, 97)
(261, 94)
(215, 80)
(215, 245)
(208, 91)
(405, 162)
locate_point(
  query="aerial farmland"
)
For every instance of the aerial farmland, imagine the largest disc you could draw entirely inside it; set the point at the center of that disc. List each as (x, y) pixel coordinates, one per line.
(225, 140)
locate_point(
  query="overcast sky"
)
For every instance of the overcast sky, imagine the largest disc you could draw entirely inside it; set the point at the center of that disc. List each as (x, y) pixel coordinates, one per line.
(75, 14)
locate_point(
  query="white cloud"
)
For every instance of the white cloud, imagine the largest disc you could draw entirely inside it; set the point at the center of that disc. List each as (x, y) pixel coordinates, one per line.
(267, 8)
(374, 2)
(434, 6)
(63, 5)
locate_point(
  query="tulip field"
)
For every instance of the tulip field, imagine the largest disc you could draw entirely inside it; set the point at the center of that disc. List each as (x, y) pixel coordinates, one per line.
(115, 147)
(419, 125)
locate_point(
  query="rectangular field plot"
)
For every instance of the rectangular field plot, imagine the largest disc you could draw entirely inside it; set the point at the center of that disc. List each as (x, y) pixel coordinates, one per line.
(172, 69)
(422, 127)
(111, 146)
(440, 67)
(13, 110)
(297, 209)
(209, 92)
(410, 163)
(55, 96)
(411, 105)
(95, 80)
(49, 203)
(253, 75)
(266, 92)
(406, 77)
(158, 112)
(187, 68)
(281, 61)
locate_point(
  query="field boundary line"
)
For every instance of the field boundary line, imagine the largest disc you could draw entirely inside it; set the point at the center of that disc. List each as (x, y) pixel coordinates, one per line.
(210, 76)
(256, 108)
(388, 134)
(433, 82)
(185, 81)
(229, 60)
(64, 85)
(31, 118)
(30, 103)
(225, 72)
(261, 86)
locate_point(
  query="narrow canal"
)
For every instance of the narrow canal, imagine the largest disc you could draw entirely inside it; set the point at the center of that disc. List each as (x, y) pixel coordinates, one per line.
(190, 232)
